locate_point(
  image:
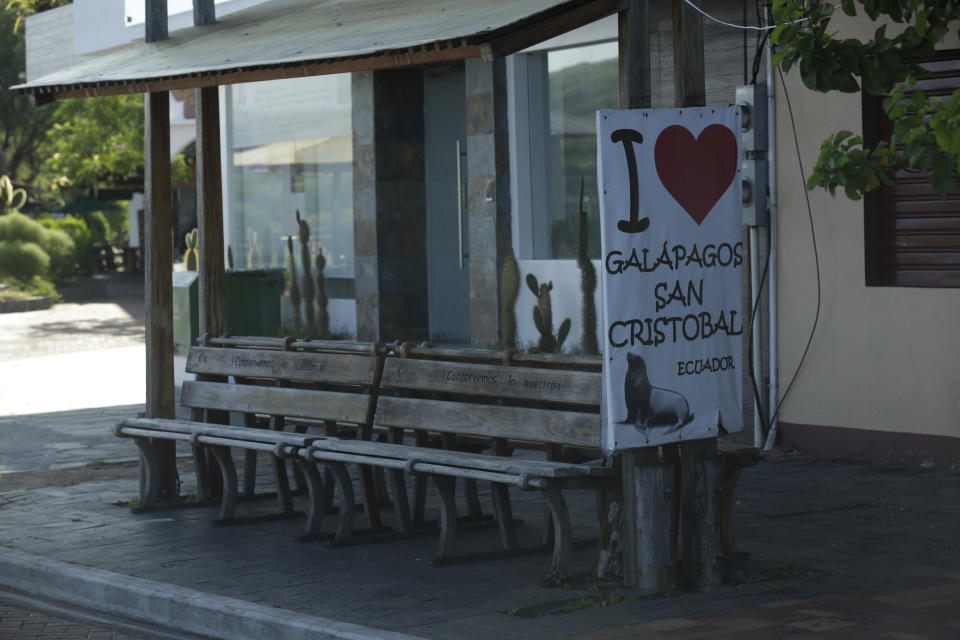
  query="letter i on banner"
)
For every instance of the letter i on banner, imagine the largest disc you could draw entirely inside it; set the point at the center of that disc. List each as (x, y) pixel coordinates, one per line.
(673, 266)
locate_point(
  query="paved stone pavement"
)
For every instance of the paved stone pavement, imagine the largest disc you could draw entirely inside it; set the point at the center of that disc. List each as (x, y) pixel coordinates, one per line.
(66, 375)
(837, 550)
(20, 621)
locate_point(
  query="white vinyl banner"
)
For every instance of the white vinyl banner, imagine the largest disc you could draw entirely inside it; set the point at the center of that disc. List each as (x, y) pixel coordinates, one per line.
(673, 259)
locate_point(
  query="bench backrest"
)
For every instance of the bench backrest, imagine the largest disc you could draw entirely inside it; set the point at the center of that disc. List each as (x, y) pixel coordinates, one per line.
(297, 384)
(553, 406)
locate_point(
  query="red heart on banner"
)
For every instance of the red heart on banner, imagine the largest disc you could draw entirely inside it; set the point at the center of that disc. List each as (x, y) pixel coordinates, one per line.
(696, 171)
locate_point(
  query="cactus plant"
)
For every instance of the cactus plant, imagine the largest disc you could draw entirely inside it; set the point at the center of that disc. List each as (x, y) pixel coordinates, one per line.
(191, 257)
(11, 198)
(509, 289)
(307, 288)
(543, 317)
(254, 257)
(294, 287)
(588, 284)
(323, 316)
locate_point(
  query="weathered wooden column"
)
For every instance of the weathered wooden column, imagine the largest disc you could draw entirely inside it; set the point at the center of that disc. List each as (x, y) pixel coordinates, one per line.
(158, 262)
(697, 516)
(213, 295)
(649, 489)
(488, 192)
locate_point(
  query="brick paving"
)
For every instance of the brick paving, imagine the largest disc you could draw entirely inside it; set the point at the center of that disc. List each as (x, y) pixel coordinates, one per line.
(26, 622)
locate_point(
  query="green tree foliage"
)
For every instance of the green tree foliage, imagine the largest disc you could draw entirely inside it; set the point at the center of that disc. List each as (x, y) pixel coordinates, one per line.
(20, 9)
(95, 142)
(926, 137)
(23, 127)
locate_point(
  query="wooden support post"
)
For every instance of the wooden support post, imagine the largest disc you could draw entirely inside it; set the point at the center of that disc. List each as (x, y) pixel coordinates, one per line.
(203, 12)
(707, 535)
(690, 91)
(634, 50)
(689, 86)
(639, 509)
(213, 295)
(650, 483)
(155, 27)
(158, 267)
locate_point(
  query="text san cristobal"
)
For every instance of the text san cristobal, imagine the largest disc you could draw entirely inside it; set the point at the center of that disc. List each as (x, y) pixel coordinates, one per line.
(673, 328)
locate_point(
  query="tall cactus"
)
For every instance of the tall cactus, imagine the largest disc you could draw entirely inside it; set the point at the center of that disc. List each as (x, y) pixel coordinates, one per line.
(191, 257)
(509, 289)
(294, 287)
(588, 284)
(254, 257)
(543, 317)
(11, 198)
(307, 288)
(323, 316)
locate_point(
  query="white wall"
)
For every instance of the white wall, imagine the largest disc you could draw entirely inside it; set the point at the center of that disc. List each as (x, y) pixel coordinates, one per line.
(883, 358)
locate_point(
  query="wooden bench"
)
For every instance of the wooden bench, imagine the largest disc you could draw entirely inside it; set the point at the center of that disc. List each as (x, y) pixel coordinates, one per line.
(328, 388)
(430, 413)
(482, 406)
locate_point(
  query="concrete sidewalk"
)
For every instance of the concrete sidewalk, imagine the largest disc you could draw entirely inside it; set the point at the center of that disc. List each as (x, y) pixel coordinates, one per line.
(837, 550)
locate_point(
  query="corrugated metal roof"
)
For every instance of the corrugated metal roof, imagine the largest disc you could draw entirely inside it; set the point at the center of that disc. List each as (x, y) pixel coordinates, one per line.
(287, 38)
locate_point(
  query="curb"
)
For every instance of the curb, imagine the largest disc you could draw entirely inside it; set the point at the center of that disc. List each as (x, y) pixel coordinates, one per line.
(170, 606)
(36, 303)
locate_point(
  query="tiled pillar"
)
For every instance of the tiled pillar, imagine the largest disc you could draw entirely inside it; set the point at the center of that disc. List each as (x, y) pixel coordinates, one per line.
(390, 205)
(488, 192)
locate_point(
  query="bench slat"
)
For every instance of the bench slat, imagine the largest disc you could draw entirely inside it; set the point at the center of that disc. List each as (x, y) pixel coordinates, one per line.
(242, 433)
(536, 425)
(502, 464)
(295, 403)
(498, 381)
(283, 365)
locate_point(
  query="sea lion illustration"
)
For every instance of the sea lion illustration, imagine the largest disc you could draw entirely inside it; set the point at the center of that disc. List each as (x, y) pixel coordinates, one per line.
(649, 406)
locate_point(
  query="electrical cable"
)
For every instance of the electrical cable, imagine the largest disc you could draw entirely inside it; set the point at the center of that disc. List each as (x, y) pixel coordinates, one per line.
(738, 26)
(816, 254)
(758, 402)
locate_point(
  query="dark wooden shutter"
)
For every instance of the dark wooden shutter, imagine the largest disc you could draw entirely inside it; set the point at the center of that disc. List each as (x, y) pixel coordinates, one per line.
(912, 235)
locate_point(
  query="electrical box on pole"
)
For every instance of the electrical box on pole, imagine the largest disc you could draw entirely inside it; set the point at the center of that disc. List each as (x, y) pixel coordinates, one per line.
(752, 100)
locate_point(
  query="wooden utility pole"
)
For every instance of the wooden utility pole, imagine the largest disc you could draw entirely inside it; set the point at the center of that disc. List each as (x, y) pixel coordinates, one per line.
(158, 261)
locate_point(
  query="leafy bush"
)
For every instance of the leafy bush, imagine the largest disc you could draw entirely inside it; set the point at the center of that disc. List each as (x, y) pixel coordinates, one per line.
(22, 261)
(83, 253)
(17, 227)
(27, 237)
(60, 247)
(99, 228)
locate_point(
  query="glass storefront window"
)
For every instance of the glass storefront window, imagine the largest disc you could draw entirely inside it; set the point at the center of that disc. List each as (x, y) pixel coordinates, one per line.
(566, 87)
(292, 151)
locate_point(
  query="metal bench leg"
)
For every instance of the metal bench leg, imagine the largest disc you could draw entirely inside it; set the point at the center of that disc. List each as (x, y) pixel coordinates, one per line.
(473, 499)
(149, 473)
(249, 473)
(504, 513)
(315, 497)
(205, 489)
(562, 531)
(345, 488)
(419, 499)
(401, 506)
(283, 484)
(447, 488)
(228, 474)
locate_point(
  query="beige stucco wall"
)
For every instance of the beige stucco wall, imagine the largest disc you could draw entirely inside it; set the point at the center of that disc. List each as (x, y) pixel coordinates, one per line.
(883, 358)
